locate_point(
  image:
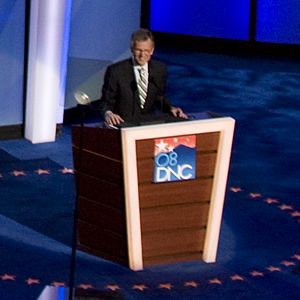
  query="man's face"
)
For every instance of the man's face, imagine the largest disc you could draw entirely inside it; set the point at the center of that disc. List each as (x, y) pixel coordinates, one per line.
(142, 51)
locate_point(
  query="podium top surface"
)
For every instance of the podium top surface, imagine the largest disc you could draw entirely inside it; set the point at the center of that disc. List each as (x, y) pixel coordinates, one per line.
(166, 118)
(161, 120)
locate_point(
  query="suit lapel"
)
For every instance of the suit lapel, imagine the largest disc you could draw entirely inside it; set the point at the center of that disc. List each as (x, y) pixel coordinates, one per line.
(150, 91)
(133, 84)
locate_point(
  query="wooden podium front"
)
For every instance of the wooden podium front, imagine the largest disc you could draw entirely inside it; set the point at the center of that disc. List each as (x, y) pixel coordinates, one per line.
(124, 217)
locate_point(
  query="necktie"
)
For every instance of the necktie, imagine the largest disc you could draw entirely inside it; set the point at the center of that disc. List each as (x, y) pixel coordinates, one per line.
(142, 86)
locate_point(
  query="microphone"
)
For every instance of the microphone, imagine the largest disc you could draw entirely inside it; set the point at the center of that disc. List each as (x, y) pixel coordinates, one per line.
(83, 105)
(82, 98)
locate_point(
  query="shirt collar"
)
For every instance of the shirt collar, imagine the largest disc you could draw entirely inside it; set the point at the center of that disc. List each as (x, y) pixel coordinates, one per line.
(136, 66)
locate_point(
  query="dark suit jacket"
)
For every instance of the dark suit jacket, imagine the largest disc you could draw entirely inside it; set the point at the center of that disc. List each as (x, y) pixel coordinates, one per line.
(120, 94)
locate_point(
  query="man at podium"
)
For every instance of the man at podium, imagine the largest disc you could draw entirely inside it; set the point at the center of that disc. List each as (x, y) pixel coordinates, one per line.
(135, 88)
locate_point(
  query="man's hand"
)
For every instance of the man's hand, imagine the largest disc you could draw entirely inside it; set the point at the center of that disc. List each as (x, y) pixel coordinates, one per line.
(112, 119)
(177, 112)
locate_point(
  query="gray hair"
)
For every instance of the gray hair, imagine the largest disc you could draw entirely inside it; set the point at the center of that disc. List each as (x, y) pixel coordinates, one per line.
(141, 35)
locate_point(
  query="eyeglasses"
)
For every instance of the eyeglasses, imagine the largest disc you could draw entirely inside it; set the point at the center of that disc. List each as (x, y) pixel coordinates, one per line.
(140, 51)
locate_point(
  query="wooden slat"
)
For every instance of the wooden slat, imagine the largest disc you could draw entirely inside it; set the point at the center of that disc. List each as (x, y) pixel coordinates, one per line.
(106, 255)
(104, 141)
(101, 242)
(207, 141)
(103, 192)
(102, 216)
(175, 217)
(175, 192)
(164, 259)
(99, 166)
(173, 242)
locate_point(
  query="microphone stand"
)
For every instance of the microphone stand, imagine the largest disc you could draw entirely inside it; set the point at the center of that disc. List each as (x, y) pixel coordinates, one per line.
(82, 109)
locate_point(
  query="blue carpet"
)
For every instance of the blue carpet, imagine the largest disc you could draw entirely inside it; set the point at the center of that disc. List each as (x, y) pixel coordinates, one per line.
(259, 241)
(35, 195)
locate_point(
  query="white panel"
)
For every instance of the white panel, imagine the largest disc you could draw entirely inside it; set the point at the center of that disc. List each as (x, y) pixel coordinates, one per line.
(46, 68)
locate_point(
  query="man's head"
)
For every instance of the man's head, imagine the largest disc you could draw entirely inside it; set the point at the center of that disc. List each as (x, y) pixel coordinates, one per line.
(142, 46)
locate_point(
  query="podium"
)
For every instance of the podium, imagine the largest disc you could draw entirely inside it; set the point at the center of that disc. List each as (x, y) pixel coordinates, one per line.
(126, 218)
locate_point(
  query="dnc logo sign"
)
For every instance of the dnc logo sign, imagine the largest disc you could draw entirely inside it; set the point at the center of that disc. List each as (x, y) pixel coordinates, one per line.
(175, 158)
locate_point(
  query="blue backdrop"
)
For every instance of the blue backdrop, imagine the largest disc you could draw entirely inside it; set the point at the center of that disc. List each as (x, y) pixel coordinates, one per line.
(277, 21)
(209, 18)
(12, 20)
(101, 29)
